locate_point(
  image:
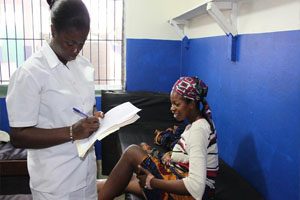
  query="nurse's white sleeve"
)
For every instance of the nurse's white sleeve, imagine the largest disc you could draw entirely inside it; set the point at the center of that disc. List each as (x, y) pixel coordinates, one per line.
(23, 99)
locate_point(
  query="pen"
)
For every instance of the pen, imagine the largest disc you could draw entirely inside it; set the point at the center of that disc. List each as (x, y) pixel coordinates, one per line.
(79, 112)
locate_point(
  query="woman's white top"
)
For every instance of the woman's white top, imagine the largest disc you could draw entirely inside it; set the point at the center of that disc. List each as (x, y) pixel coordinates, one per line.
(193, 148)
(42, 94)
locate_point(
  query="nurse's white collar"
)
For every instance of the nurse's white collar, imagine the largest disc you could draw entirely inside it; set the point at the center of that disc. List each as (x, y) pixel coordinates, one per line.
(50, 56)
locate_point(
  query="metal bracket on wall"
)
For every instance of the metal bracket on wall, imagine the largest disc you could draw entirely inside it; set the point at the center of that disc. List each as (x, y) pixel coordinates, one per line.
(213, 8)
(179, 27)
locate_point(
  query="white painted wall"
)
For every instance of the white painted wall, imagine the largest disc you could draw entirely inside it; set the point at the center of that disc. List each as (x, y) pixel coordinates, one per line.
(148, 18)
(269, 16)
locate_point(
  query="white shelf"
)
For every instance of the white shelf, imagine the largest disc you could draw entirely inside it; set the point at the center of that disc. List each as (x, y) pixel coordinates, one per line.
(213, 8)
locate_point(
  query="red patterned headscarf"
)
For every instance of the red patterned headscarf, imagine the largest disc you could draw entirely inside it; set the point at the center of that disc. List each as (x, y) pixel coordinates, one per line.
(196, 90)
(191, 88)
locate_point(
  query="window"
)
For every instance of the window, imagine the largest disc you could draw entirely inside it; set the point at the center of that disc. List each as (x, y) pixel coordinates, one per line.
(24, 24)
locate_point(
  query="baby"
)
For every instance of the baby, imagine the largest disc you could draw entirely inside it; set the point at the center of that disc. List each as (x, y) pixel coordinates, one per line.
(169, 137)
(165, 158)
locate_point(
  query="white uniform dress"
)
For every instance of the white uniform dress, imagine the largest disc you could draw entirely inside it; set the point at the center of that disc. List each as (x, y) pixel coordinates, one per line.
(42, 93)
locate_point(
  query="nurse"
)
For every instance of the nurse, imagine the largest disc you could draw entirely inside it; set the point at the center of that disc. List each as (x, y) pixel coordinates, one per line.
(41, 96)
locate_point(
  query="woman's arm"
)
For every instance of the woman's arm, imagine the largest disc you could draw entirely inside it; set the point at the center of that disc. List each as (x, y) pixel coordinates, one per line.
(194, 184)
(147, 180)
(197, 143)
(173, 186)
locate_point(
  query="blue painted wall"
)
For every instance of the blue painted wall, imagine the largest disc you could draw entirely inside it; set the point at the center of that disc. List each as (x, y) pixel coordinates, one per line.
(256, 104)
(98, 143)
(3, 115)
(152, 65)
(255, 101)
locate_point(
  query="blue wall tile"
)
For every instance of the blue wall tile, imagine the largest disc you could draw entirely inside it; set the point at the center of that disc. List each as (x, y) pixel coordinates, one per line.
(256, 105)
(98, 143)
(152, 65)
(3, 115)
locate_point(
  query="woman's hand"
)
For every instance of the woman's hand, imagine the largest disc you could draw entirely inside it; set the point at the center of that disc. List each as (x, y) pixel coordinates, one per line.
(144, 177)
(166, 159)
(98, 114)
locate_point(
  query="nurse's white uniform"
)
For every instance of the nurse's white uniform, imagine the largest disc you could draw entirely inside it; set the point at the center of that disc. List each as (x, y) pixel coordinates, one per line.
(42, 93)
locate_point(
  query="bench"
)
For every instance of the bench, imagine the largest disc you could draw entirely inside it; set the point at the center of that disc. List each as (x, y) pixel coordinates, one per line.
(14, 178)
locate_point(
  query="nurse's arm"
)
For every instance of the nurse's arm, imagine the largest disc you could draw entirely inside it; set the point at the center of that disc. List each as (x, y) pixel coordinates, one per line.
(36, 138)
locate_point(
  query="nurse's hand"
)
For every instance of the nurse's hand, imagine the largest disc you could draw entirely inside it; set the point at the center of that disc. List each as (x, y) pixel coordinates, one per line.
(85, 127)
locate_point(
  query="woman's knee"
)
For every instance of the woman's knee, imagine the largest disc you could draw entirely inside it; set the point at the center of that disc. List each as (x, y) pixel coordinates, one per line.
(131, 148)
(100, 184)
(134, 153)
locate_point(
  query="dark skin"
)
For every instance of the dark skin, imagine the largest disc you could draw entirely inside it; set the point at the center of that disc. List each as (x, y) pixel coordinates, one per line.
(121, 179)
(66, 44)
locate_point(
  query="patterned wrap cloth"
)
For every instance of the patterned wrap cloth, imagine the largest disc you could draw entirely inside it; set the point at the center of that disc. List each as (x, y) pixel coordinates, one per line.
(159, 168)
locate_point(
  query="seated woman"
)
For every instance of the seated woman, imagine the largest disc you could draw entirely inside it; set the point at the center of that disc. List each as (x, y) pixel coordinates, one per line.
(188, 171)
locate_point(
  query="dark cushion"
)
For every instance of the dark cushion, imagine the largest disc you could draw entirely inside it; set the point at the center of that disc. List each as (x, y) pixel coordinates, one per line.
(231, 186)
(14, 178)
(156, 114)
(155, 106)
(14, 185)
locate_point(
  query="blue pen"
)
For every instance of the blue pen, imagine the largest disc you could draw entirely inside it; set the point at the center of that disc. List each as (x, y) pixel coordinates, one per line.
(79, 112)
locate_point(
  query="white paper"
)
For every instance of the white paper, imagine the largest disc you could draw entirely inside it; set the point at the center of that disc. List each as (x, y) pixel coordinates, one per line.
(114, 119)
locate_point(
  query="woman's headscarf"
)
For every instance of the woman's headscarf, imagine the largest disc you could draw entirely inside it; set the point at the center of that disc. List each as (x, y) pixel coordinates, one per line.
(191, 88)
(196, 90)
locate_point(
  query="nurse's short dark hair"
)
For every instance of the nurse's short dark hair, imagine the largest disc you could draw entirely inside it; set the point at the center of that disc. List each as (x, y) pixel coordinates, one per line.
(69, 14)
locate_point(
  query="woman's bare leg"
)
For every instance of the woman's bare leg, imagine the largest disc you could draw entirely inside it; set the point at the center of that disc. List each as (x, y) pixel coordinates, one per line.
(119, 178)
(133, 186)
(100, 184)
